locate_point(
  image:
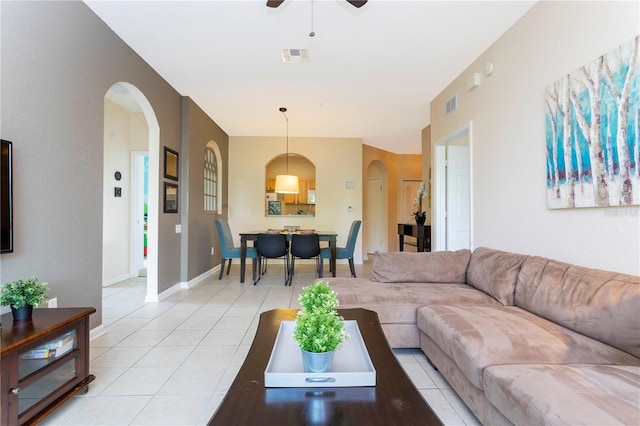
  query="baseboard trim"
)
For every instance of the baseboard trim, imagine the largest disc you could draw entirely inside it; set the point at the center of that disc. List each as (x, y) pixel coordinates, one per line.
(200, 278)
(116, 280)
(97, 332)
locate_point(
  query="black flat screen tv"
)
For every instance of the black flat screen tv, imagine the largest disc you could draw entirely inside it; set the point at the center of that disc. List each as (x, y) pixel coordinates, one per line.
(6, 198)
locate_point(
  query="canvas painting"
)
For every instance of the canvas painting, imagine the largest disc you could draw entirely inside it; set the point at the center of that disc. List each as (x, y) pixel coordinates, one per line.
(592, 133)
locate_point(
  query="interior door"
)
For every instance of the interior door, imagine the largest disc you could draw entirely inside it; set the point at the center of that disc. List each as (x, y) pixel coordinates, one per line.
(458, 198)
(374, 218)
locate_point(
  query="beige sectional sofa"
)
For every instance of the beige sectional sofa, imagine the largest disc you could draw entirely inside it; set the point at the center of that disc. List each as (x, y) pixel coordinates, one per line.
(521, 339)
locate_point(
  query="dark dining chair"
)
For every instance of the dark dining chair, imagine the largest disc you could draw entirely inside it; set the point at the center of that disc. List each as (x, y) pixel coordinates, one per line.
(344, 252)
(272, 246)
(228, 251)
(305, 246)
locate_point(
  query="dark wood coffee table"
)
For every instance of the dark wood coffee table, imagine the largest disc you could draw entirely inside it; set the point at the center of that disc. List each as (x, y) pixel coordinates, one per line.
(394, 399)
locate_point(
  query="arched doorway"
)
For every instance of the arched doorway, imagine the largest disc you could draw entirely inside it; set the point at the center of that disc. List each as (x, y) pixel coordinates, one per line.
(375, 219)
(131, 134)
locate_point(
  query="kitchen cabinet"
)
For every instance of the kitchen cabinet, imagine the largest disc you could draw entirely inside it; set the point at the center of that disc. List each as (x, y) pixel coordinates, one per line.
(304, 185)
(271, 185)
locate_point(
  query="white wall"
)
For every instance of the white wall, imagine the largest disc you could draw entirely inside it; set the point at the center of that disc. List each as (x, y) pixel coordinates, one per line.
(337, 161)
(508, 139)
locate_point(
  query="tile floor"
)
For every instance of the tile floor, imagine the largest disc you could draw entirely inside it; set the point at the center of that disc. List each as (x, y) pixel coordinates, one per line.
(170, 363)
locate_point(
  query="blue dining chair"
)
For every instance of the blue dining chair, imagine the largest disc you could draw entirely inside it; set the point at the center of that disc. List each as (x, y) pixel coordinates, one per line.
(344, 252)
(229, 251)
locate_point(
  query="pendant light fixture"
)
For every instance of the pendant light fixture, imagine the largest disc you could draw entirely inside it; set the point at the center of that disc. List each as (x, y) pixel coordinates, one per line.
(286, 184)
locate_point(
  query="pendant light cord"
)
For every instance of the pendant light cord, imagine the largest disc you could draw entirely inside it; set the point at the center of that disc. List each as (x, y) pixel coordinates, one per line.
(283, 111)
(312, 33)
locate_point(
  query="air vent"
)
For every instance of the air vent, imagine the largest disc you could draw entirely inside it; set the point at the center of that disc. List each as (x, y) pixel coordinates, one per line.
(293, 56)
(452, 104)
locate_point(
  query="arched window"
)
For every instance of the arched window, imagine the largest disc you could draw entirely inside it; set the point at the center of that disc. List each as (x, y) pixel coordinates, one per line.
(210, 181)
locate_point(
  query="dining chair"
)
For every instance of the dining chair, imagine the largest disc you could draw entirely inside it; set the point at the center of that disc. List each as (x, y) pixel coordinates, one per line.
(229, 252)
(272, 246)
(305, 246)
(344, 252)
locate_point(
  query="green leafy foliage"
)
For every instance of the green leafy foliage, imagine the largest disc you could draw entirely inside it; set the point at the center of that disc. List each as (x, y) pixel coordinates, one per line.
(318, 297)
(23, 292)
(318, 327)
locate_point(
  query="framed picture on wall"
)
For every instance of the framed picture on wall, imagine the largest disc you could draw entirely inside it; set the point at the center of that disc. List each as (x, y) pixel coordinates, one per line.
(170, 197)
(275, 208)
(170, 164)
(6, 198)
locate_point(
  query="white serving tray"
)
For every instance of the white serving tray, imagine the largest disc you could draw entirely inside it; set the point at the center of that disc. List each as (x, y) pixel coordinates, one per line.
(351, 363)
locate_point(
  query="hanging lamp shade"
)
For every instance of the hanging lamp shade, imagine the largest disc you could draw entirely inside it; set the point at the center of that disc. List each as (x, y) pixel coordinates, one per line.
(287, 184)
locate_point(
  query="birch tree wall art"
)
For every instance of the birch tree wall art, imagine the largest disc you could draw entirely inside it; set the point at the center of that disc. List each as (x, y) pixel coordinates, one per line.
(592, 133)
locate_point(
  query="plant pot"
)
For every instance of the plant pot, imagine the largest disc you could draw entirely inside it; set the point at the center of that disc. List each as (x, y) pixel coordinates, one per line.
(420, 220)
(317, 362)
(22, 313)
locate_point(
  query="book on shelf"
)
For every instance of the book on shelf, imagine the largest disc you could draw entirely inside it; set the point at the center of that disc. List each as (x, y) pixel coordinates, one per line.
(64, 348)
(38, 354)
(54, 348)
(59, 342)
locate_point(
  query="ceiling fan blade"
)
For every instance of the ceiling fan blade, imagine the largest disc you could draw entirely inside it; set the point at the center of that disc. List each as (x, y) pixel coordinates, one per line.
(356, 3)
(274, 3)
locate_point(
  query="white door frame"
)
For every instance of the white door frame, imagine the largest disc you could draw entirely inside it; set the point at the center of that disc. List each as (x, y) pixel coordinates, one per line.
(439, 220)
(137, 212)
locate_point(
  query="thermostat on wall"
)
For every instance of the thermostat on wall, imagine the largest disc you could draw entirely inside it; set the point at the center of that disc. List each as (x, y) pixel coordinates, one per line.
(350, 184)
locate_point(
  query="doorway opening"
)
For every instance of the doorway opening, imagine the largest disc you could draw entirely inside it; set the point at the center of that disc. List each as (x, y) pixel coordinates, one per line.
(452, 203)
(375, 220)
(130, 189)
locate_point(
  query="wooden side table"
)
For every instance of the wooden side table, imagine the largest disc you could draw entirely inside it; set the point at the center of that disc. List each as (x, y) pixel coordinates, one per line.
(35, 382)
(421, 232)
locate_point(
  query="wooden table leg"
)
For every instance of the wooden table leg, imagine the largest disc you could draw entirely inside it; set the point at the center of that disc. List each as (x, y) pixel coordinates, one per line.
(243, 257)
(332, 244)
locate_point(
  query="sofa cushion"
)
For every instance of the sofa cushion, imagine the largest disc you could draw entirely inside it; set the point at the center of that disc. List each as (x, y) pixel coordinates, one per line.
(476, 337)
(599, 304)
(397, 303)
(424, 267)
(565, 394)
(495, 272)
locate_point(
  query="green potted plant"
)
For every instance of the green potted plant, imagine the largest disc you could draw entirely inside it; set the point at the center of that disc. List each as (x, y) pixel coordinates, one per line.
(318, 329)
(22, 295)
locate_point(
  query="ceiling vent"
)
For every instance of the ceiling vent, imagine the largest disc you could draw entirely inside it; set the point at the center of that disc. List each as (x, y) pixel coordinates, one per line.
(452, 104)
(294, 56)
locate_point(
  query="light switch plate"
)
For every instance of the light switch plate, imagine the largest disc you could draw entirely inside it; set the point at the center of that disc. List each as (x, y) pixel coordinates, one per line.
(178, 229)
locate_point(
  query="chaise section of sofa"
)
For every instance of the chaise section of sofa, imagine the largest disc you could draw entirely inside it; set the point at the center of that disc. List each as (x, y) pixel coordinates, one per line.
(573, 320)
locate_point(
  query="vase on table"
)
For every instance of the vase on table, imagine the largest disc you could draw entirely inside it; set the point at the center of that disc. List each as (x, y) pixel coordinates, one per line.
(420, 219)
(317, 362)
(22, 313)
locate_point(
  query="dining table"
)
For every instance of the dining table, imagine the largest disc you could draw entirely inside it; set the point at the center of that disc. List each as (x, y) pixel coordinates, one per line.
(329, 236)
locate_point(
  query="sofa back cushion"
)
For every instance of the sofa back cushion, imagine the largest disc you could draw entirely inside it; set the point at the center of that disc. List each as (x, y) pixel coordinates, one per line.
(426, 267)
(600, 304)
(495, 272)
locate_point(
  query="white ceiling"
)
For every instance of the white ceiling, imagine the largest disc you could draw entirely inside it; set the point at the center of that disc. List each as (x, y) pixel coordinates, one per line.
(372, 72)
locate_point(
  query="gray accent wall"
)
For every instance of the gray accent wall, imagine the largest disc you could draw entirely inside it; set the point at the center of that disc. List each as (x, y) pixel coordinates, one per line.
(200, 235)
(58, 61)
